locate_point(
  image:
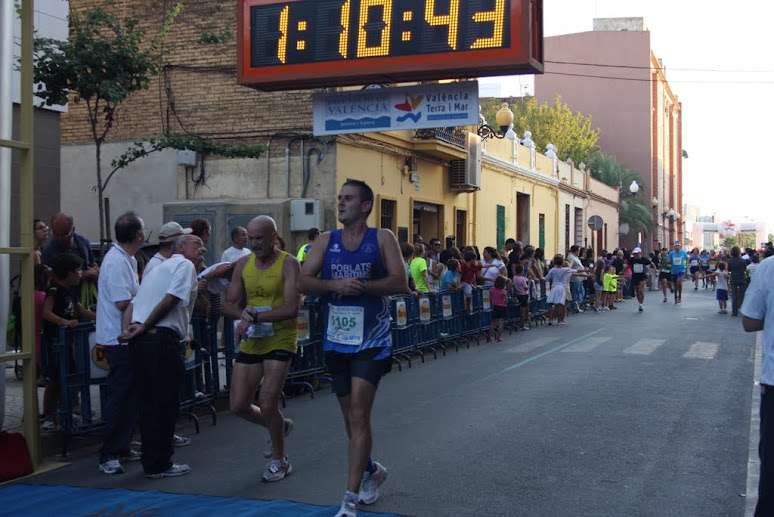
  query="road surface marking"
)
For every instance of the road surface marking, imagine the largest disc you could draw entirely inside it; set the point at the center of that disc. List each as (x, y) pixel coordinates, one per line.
(644, 346)
(702, 350)
(587, 345)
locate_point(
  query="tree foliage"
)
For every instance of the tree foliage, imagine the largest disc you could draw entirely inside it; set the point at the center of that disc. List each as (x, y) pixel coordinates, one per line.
(729, 242)
(103, 62)
(571, 133)
(634, 211)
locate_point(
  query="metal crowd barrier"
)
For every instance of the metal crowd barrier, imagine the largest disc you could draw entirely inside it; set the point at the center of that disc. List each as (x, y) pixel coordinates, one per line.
(80, 363)
(427, 322)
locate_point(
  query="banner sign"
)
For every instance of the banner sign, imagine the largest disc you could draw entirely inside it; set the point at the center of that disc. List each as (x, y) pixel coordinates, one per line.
(393, 109)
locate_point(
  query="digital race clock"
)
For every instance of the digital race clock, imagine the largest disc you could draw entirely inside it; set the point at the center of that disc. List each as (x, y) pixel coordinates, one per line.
(299, 44)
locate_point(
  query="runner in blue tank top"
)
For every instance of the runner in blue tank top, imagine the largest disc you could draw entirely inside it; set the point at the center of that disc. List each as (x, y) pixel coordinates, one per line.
(357, 323)
(353, 270)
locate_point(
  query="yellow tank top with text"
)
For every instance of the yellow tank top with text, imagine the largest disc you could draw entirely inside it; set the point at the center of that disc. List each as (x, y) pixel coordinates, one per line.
(266, 288)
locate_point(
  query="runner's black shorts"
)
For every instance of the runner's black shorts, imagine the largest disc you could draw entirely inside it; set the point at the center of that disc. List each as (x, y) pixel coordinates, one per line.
(694, 269)
(343, 367)
(664, 276)
(274, 355)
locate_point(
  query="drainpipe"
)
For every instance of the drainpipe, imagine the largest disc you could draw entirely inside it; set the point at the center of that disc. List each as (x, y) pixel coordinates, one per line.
(307, 168)
(287, 162)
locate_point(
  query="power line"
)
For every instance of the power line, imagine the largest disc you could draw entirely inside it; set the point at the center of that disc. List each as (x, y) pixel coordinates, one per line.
(670, 81)
(636, 67)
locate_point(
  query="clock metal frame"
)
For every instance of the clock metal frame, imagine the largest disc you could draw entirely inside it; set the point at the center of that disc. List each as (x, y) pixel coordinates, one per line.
(523, 55)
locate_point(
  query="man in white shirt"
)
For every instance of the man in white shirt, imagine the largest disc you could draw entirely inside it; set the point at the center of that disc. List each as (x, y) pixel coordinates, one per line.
(168, 234)
(117, 286)
(159, 316)
(758, 314)
(238, 249)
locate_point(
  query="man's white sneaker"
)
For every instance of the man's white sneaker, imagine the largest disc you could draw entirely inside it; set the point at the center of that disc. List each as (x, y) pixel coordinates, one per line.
(348, 506)
(268, 450)
(369, 486)
(173, 471)
(180, 441)
(277, 469)
(111, 467)
(641, 309)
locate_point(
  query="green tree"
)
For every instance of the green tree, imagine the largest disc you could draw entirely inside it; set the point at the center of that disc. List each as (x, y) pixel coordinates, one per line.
(634, 211)
(571, 133)
(729, 242)
(102, 63)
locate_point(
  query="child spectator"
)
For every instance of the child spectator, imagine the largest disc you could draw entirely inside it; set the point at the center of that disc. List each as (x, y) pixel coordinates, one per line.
(468, 270)
(499, 298)
(721, 293)
(599, 293)
(559, 276)
(521, 288)
(60, 308)
(610, 286)
(451, 279)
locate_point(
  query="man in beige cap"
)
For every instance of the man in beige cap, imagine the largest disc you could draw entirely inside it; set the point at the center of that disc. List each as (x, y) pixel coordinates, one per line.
(168, 233)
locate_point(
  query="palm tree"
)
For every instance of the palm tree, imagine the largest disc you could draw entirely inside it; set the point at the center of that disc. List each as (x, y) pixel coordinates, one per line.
(633, 210)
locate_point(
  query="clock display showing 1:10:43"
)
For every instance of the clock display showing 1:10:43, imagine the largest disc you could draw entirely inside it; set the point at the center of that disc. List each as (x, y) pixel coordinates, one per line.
(317, 31)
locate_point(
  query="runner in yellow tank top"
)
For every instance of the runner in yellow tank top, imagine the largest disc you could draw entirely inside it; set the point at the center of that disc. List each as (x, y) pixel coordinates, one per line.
(266, 279)
(265, 288)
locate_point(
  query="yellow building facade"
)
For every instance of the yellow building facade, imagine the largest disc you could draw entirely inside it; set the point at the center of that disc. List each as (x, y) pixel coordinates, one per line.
(416, 195)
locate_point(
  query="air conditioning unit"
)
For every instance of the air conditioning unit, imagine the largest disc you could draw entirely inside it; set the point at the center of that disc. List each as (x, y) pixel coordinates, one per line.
(466, 174)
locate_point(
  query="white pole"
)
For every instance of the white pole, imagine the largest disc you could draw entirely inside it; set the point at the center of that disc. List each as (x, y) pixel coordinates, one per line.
(7, 16)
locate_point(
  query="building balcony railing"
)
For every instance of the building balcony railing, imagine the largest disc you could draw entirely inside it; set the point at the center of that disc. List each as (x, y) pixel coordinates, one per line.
(446, 135)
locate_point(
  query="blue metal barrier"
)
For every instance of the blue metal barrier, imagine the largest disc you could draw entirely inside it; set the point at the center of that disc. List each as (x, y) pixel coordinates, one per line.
(404, 316)
(309, 363)
(200, 382)
(450, 315)
(73, 355)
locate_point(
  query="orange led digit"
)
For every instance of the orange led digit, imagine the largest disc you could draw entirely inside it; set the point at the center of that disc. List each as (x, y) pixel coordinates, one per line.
(282, 47)
(383, 49)
(450, 20)
(498, 17)
(344, 36)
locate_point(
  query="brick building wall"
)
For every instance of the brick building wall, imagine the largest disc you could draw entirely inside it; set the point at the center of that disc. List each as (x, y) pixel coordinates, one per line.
(196, 91)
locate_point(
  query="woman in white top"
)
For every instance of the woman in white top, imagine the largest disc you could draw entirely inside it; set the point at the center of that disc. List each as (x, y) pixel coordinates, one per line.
(497, 266)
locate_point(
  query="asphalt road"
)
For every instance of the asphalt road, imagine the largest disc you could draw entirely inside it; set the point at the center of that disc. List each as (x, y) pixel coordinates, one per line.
(621, 413)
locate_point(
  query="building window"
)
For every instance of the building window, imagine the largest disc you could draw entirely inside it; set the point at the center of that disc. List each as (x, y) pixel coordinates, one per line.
(500, 227)
(579, 226)
(566, 228)
(461, 225)
(542, 231)
(387, 214)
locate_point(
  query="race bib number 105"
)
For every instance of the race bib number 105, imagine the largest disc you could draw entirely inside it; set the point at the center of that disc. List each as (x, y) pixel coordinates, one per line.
(345, 325)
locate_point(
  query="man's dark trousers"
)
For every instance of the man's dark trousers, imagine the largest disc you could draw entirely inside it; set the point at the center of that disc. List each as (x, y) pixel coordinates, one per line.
(120, 414)
(159, 369)
(765, 505)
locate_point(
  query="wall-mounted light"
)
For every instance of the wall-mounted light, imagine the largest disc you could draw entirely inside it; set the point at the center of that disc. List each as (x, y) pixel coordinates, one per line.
(504, 119)
(654, 202)
(633, 190)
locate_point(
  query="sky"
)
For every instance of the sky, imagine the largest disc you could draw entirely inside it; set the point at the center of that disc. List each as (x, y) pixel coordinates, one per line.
(720, 64)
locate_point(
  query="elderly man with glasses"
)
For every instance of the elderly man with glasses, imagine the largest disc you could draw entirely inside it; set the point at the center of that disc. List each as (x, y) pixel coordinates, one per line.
(65, 240)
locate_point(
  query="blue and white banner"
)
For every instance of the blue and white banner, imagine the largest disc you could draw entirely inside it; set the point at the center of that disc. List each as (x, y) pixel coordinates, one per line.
(394, 109)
